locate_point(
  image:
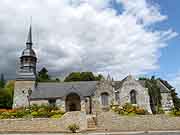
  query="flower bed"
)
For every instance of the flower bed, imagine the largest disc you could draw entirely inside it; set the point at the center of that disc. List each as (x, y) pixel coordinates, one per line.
(34, 111)
(129, 109)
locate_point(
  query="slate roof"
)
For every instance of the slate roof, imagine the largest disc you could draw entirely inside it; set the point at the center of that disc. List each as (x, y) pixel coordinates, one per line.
(28, 52)
(26, 76)
(58, 90)
(163, 88)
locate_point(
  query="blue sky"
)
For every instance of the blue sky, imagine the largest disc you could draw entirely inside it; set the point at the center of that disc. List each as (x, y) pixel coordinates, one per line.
(169, 63)
(169, 60)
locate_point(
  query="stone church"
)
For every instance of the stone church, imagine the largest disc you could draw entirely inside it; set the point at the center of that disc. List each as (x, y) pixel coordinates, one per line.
(87, 96)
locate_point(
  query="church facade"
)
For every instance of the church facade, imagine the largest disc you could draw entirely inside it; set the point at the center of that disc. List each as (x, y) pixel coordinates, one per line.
(88, 96)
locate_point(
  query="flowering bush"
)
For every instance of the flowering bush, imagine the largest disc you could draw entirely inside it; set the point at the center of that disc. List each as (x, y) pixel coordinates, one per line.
(34, 111)
(129, 109)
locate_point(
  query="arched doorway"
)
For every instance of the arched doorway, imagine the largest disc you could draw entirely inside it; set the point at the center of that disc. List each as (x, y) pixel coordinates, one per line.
(73, 102)
(133, 94)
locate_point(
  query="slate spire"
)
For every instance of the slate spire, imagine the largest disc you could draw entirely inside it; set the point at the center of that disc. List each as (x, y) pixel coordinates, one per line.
(108, 77)
(29, 38)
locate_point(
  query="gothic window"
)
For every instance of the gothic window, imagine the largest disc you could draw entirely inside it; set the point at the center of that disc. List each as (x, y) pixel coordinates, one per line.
(104, 99)
(133, 97)
(117, 96)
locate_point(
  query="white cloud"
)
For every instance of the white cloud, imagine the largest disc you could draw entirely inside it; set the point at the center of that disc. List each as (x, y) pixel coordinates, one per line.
(145, 12)
(79, 35)
(175, 82)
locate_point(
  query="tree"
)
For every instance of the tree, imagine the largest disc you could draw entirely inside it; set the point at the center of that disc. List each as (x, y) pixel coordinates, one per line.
(2, 81)
(154, 93)
(4, 99)
(43, 75)
(87, 76)
(74, 76)
(176, 99)
(99, 77)
(6, 95)
(82, 76)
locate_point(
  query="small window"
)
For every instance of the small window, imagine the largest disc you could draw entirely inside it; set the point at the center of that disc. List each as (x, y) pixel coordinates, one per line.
(52, 102)
(133, 97)
(26, 59)
(104, 99)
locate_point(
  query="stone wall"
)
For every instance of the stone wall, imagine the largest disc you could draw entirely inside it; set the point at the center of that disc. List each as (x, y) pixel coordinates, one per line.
(166, 101)
(114, 122)
(44, 125)
(103, 86)
(21, 92)
(105, 121)
(142, 96)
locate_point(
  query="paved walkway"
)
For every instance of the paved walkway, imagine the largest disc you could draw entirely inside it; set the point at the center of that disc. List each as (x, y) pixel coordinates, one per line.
(110, 133)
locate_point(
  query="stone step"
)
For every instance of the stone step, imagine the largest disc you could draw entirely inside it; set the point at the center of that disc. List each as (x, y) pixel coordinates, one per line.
(91, 123)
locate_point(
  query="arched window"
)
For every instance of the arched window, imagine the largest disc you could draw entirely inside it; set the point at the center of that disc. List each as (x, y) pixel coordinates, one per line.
(133, 97)
(104, 99)
(117, 96)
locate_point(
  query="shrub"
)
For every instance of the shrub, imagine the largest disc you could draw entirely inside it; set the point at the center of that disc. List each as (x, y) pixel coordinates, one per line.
(160, 110)
(175, 112)
(73, 128)
(129, 109)
(5, 115)
(56, 116)
(36, 111)
(20, 114)
(34, 114)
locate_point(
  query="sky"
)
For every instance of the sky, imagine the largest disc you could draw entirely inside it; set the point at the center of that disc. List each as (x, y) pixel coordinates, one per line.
(119, 37)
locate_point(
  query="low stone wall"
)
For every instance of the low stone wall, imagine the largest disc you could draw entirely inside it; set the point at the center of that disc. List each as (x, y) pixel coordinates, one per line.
(105, 121)
(114, 122)
(44, 125)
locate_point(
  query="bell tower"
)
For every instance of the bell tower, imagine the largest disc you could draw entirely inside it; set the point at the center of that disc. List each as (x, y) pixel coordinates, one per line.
(28, 60)
(26, 77)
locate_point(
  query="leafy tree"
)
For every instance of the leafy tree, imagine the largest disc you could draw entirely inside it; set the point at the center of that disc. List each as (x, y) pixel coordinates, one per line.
(2, 81)
(154, 93)
(87, 76)
(82, 76)
(43, 75)
(74, 76)
(6, 95)
(4, 99)
(99, 77)
(176, 99)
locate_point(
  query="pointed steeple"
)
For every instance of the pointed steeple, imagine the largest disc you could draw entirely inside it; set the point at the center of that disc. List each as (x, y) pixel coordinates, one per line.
(108, 77)
(29, 39)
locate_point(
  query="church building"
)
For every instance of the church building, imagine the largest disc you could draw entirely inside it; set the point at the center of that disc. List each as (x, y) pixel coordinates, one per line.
(88, 96)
